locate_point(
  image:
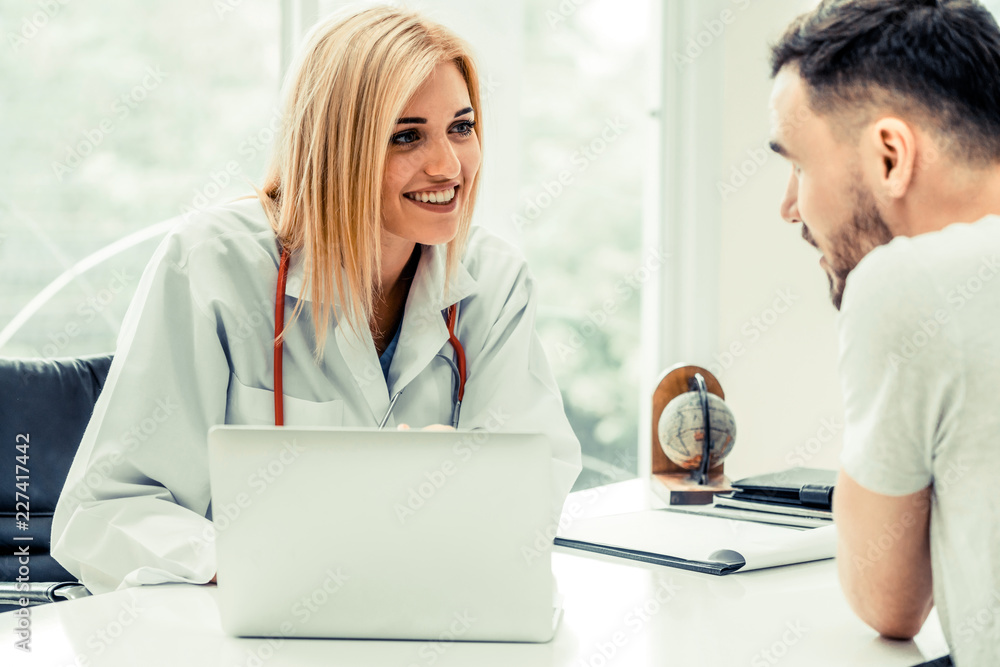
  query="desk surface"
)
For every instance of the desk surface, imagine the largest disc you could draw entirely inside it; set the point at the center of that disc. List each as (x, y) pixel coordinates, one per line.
(617, 612)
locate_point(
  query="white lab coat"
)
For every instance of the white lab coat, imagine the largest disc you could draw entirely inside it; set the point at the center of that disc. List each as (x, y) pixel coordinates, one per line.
(195, 350)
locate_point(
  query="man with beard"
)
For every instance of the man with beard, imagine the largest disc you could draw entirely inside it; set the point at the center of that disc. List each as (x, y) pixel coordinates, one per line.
(889, 112)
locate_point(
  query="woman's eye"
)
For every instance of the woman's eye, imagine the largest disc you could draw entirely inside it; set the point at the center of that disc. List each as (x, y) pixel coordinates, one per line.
(406, 137)
(465, 127)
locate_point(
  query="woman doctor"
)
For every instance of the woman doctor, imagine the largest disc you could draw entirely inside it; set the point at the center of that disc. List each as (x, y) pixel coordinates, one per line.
(369, 196)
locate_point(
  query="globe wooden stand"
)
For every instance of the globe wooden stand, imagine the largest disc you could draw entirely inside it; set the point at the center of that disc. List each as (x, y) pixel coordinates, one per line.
(675, 485)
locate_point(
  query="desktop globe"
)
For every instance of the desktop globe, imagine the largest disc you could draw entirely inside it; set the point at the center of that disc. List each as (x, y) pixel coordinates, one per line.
(696, 431)
(681, 430)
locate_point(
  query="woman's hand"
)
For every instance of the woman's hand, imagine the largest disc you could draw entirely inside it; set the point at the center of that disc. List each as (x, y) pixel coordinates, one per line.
(432, 427)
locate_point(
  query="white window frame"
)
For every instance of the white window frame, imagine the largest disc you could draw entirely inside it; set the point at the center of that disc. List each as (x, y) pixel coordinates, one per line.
(683, 213)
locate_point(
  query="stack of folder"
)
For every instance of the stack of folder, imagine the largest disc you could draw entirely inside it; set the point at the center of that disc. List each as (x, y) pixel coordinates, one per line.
(797, 497)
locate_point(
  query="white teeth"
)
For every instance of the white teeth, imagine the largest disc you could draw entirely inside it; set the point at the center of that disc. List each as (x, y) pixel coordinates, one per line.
(441, 197)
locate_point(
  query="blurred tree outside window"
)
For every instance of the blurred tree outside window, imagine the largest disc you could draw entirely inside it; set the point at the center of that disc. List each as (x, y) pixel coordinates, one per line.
(116, 116)
(583, 106)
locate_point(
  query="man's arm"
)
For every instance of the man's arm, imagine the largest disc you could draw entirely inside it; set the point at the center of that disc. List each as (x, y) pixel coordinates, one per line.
(883, 556)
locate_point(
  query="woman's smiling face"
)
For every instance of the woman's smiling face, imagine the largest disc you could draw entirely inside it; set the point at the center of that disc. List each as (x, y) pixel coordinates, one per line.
(432, 162)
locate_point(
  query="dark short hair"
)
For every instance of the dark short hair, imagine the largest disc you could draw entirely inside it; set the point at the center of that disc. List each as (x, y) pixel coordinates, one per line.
(937, 59)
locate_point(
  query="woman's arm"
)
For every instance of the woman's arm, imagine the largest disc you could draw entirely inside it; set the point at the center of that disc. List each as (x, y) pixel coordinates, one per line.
(133, 509)
(511, 387)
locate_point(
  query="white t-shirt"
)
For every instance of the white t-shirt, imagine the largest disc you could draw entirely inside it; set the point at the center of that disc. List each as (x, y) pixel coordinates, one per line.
(920, 372)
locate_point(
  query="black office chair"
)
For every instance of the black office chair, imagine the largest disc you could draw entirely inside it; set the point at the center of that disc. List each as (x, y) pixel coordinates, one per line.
(45, 405)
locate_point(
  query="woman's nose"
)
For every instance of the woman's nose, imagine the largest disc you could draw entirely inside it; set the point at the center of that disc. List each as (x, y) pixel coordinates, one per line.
(442, 160)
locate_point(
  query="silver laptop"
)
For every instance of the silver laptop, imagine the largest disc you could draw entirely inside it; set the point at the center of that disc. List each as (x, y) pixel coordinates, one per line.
(357, 533)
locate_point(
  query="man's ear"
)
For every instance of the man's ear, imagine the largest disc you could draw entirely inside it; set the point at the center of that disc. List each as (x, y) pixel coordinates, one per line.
(895, 147)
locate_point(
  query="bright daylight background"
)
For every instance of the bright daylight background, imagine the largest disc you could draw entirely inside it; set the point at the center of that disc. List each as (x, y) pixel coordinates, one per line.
(117, 116)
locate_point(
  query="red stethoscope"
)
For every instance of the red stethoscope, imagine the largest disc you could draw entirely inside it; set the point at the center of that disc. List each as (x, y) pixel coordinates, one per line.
(451, 316)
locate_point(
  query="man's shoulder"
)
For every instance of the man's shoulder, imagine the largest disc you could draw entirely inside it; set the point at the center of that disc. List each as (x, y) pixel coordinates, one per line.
(889, 276)
(927, 270)
(960, 249)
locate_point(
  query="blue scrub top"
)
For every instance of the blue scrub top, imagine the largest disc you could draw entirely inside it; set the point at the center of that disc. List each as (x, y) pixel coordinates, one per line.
(386, 359)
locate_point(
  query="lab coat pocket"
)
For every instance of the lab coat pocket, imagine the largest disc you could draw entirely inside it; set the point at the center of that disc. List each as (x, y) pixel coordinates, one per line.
(248, 405)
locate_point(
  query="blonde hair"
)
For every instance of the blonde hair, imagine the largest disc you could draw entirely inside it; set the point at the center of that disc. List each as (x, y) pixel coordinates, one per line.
(322, 190)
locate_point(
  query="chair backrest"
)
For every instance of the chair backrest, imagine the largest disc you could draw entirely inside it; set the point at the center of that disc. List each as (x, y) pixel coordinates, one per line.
(45, 405)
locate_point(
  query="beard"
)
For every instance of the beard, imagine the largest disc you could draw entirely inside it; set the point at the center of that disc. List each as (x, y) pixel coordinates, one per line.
(865, 232)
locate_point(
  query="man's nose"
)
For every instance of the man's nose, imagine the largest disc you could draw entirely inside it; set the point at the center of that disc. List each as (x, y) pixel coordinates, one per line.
(790, 205)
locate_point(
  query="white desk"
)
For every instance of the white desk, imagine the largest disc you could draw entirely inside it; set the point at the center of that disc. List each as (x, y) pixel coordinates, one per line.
(617, 612)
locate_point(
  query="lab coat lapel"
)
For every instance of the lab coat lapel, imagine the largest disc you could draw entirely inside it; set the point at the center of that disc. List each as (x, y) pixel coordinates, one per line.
(358, 351)
(356, 348)
(424, 331)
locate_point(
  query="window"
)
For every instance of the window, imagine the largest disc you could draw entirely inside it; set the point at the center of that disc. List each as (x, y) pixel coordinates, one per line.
(125, 115)
(586, 138)
(129, 114)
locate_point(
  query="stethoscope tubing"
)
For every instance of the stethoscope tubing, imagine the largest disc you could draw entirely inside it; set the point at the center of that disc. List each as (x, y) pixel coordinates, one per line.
(451, 316)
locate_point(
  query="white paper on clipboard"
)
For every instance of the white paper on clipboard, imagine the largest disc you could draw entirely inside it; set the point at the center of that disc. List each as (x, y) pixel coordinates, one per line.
(709, 544)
